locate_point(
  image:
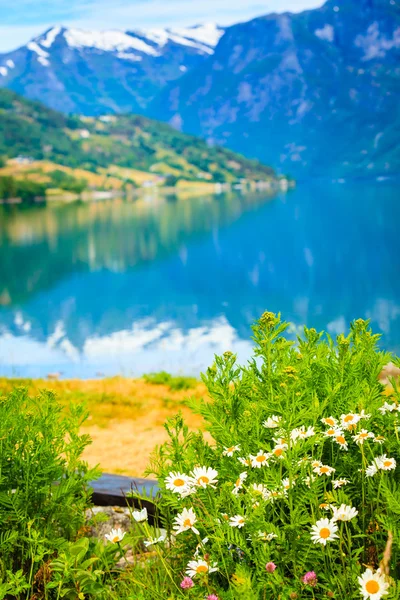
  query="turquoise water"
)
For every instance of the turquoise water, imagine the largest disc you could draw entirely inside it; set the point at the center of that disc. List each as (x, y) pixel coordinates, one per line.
(132, 287)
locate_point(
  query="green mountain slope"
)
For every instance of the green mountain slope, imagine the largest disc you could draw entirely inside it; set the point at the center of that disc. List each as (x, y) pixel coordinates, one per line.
(118, 147)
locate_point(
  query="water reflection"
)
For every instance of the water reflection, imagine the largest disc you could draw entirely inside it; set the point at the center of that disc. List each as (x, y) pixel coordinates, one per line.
(132, 287)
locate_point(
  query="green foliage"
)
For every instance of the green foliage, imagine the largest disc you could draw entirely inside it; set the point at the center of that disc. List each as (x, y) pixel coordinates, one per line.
(25, 189)
(174, 382)
(44, 485)
(273, 408)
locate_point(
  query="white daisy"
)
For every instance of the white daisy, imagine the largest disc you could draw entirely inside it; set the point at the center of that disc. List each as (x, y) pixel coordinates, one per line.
(338, 483)
(363, 435)
(279, 450)
(333, 432)
(239, 482)
(260, 460)
(385, 463)
(266, 537)
(363, 415)
(272, 422)
(316, 463)
(140, 515)
(230, 451)
(301, 433)
(344, 513)
(287, 484)
(237, 521)
(199, 567)
(246, 462)
(280, 441)
(331, 421)
(186, 520)
(341, 441)
(115, 535)
(324, 470)
(371, 470)
(350, 420)
(204, 476)
(154, 541)
(177, 482)
(379, 439)
(261, 490)
(324, 531)
(373, 585)
(308, 480)
(387, 408)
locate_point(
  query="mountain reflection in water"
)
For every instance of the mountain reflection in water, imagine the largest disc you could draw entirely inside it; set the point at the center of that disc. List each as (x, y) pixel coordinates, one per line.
(131, 287)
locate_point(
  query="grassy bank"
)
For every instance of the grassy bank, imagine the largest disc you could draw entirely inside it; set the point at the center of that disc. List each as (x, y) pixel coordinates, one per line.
(127, 416)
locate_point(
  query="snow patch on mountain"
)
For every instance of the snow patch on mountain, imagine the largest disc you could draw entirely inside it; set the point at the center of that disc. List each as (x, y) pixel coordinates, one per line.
(3, 71)
(112, 40)
(10, 63)
(326, 33)
(374, 44)
(42, 55)
(50, 36)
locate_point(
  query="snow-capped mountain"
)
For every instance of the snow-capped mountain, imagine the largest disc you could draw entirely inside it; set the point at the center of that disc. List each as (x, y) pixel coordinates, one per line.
(93, 72)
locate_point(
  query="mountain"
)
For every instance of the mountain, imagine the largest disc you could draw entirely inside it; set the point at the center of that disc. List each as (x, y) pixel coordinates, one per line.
(93, 73)
(314, 93)
(111, 151)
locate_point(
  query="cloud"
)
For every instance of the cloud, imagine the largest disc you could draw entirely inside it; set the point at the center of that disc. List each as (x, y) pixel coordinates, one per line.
(27, 18)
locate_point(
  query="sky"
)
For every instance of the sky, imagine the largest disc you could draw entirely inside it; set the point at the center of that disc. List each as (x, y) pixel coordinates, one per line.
(20, 20)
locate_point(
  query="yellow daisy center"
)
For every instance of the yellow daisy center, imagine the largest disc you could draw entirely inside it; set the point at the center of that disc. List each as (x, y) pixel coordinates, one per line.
(203, 479)
(340, 439)
(261, 458)
(324, 533)
(348, 418)
(363, 435)
(201, 569)
(372, 586)
(231, 449)
(387, 463)
(329, 421)
(179, 482)
(187, 523)
(115, 539)
(330, 431)
(324, 469)
(241, 521)
(238, 482)
(278, 452)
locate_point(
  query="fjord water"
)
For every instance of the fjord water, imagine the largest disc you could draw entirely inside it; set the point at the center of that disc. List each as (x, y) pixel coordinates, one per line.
(127, 287)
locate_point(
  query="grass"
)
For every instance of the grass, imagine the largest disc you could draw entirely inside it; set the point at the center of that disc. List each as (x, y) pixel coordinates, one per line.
(127, 416)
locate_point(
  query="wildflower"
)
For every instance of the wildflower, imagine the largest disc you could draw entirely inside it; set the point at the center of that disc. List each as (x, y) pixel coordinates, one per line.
(387, 408)
(199, 567)
(324, 506)
(266, 537)
(333, 432)
(115, 536)
(338, 483)
(260, 460)
(316, 463)
(350, 420)
(363, 415)
(270, 567)
(204, 476)
(272, 422)
(362, 436)
(245, 461)
(279, 450)
(310, 578)
(344, 513)
(239, 482)
(309, 480)
(177, 482)
(200, 546)
(385, 463)
(371, 470)
(324, 531)
(331, 421)
(324, 470)
(341, 441)
(237, 521)
(140, 515)
(212, 597)
(373, 585)
(287, 484)
(231, 450)
(379, 439)
(186, 520)
(260, 489)
(301, 433)
(187, 583)
(154, 541)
